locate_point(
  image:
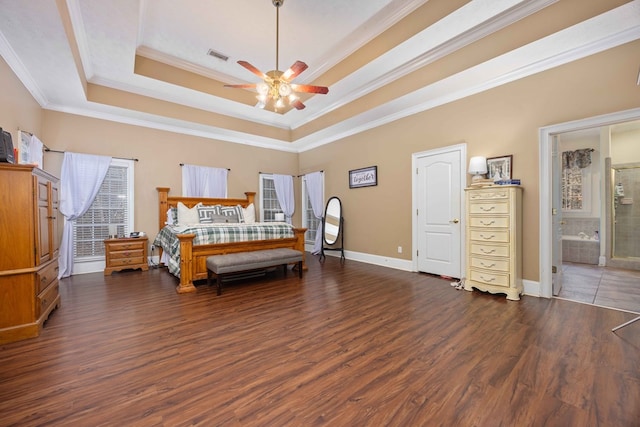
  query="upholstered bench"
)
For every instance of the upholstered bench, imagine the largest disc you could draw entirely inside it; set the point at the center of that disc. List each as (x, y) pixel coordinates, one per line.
(223, 265)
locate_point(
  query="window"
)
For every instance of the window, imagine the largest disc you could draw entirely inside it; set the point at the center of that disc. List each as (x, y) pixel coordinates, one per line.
(309, 220)
(269, 205)
(571, 189)
(112, 206)
(578, 171)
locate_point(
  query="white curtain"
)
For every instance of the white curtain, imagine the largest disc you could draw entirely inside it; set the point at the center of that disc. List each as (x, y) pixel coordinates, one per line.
(284, 192)
(315, 189)
(80, 181)
(202, 181)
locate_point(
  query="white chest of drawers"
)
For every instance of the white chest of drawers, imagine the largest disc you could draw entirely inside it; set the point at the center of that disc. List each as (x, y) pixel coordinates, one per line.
(494, 240)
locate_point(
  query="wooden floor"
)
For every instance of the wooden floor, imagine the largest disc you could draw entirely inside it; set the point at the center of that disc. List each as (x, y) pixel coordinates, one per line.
(604, 286)
(348, 345)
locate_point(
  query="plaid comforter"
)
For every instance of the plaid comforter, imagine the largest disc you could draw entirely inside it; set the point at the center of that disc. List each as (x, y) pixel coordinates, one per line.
(216, 233)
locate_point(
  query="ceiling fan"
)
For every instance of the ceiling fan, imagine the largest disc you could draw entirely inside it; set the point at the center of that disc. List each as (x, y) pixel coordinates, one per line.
(276, 86)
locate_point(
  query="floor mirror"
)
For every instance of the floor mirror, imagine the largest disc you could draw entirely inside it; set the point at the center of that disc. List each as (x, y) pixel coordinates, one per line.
(333, 228)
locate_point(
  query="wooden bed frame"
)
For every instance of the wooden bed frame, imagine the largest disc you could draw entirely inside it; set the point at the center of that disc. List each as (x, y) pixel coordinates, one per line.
(193, 258)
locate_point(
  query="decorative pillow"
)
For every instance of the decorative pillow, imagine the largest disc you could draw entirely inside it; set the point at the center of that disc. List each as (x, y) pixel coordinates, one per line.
(172, 216)
(207, 213)
(231, 214)
(219, 219)
(249, 214)
(188, 215)
(233, 211)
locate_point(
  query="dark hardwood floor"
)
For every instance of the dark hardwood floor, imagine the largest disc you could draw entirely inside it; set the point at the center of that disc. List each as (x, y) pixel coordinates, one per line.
(348, 345)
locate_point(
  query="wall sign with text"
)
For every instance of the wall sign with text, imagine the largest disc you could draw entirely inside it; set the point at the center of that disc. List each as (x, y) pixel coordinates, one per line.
(364, 177)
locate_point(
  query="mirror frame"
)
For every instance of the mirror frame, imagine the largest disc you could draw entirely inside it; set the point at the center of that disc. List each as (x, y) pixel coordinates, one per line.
(337, 226)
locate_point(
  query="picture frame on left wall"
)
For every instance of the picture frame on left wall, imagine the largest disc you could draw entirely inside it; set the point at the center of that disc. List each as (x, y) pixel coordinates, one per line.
(500, 168)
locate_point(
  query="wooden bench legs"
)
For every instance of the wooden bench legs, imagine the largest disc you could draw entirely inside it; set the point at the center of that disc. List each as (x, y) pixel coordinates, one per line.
(219, 277)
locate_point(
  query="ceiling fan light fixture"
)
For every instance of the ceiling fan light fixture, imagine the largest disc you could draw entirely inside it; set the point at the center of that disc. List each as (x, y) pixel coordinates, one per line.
(276, 85)
(262, 88)
(284, 89)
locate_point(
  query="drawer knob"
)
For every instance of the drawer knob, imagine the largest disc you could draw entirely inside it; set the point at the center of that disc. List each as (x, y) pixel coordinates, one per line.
(487, 223)
(484, 251)
(488, 280)
(487, 266)
(485, 209)
(487, 237)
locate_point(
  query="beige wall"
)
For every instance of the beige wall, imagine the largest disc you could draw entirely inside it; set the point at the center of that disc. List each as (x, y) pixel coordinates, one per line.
(160, 154)
(625, 147)
(18, 109)
(501, 121)
(504, 120)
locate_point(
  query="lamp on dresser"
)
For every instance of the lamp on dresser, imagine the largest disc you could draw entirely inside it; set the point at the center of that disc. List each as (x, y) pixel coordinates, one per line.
(477, 168)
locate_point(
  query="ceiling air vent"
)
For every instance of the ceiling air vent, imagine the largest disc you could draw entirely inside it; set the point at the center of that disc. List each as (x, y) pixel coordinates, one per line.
(218, 55)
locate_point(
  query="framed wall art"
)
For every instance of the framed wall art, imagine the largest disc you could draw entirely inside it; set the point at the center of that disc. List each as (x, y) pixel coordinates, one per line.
(364, 177)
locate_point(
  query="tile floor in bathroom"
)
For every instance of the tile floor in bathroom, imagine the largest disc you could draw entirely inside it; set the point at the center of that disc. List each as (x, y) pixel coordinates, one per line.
(602, 286)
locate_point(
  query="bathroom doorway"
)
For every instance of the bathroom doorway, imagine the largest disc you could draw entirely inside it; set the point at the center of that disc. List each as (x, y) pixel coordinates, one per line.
(600, 174)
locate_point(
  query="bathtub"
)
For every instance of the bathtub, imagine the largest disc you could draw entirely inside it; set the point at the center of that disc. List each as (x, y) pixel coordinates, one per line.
(585, 250)
(580, 238)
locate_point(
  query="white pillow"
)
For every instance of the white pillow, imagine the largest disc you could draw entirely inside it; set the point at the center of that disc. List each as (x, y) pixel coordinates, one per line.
(188, 215)
(249, 214)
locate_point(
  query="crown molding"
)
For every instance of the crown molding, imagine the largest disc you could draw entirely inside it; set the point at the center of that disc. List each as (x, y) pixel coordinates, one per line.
(19, 69)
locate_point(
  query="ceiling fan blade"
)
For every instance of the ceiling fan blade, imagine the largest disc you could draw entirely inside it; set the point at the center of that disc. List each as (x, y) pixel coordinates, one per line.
(310, 89)
(294, 71)
(297, 104)
(254, 70)
(244, 86)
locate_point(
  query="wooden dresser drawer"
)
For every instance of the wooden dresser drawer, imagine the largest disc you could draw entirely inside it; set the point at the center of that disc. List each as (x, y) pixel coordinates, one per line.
(484, 222)
(489, 250)
(46, 275)
(133, 253)
(495, 279)
(490, 236)
(489, 208)
(490, 194)
(47, 298)
(121, 262)
(493, 264)
(127, 245)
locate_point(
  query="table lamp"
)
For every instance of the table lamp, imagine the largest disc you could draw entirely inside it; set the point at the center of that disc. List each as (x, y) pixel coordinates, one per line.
(477, 168)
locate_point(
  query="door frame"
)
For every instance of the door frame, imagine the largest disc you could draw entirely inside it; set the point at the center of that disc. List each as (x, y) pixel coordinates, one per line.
(461, 149)
(546, 188)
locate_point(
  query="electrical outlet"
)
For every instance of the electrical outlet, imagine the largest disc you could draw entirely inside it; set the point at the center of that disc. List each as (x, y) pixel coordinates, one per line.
(399, 249)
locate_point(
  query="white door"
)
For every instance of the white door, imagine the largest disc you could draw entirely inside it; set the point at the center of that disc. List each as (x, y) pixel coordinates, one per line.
(439, 194)
(556, 219)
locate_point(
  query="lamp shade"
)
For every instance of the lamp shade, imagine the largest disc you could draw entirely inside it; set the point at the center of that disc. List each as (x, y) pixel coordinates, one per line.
(478, 165)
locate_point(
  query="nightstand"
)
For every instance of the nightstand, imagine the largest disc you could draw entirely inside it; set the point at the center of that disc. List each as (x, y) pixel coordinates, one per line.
(126, 253)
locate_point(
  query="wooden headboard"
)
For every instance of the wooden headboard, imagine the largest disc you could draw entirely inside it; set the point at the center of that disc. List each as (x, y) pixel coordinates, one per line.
(165, 202)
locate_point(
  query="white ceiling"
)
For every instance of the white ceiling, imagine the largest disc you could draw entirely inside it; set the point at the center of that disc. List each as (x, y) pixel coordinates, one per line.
(109, 33)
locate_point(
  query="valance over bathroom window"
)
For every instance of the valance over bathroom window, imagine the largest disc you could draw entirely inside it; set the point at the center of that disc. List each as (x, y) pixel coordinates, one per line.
(577, 159)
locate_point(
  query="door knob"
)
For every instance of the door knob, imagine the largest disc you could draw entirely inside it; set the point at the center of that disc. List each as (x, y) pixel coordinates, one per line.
(455, 221)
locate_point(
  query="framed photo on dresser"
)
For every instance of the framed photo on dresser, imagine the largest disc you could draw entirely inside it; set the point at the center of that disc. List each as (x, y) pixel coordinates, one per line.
(500, 168)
